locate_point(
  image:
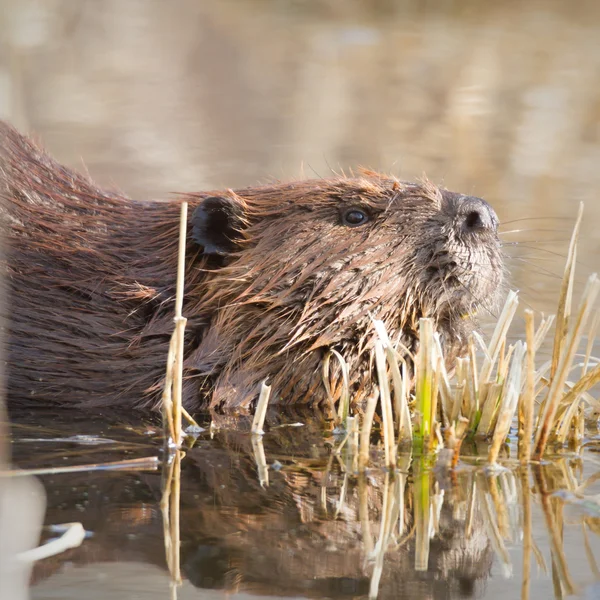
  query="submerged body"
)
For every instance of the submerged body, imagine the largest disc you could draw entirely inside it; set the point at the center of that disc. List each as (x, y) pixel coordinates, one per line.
(275, 276)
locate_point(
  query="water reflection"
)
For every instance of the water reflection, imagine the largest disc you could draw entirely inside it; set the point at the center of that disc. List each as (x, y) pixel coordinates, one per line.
(313, 528)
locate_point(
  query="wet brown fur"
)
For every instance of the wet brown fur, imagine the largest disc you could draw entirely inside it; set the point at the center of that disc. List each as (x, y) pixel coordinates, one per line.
(92, 274)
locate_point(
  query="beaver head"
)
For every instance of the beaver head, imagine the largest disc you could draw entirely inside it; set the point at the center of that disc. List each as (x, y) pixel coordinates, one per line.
(304, 266)
(275, 276)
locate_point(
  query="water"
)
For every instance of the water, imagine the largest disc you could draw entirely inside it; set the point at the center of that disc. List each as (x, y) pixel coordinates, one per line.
(288, 518)
(500, 100)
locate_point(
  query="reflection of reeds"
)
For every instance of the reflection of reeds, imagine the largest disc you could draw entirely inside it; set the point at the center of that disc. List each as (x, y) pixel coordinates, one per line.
(563, 582)
(169, 505)
(527, 533)
(261, 460)
(500, 502)
(422, 502)
(493, 511)
(389, 515)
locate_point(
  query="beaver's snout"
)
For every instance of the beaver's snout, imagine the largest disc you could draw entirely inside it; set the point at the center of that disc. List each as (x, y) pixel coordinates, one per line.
(476, 215)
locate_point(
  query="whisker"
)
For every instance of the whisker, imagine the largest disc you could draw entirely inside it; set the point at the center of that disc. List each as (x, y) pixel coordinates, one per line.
(517, 242)
(510, 231)
(558, 254)
(540, 270)
(534, 219)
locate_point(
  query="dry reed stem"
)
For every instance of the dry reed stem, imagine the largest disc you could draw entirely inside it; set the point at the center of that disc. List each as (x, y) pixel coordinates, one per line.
(172, 405)
(261, 409)
(589, 380)
(499, 336)
(490, 409)
(490, 394)
(469, 401)
(557, 384)
(167, 395)
(365, 432)
(424, 379)
(343, 407)
(445, 388)
(327, 383)
(180, 322)
(344, 403)
(405, 423)
(434, 404)
(495, 394)
(474, 382)
(508, 402)
(461, 428)
(527, 398)
(543, 330)
(459, 391)
(386, 406)
(591, 338)
(189, 418)
(563, 312)
(579, 427)
(149, 463)
(571, 399)
(399, 382)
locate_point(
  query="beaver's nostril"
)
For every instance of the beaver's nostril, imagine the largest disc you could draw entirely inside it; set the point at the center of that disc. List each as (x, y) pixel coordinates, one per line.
(477, 215)
(473, 220)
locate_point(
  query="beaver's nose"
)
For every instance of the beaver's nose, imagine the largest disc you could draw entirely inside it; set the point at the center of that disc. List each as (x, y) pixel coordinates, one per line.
(476, 215)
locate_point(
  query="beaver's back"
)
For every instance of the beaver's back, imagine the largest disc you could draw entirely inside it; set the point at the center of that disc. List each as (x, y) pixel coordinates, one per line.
(82, 273)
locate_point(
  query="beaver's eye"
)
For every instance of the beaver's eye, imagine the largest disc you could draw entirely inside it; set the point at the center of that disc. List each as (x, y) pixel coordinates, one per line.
(353, 217)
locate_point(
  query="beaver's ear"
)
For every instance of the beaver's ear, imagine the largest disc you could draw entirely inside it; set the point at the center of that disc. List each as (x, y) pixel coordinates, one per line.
(217, 223)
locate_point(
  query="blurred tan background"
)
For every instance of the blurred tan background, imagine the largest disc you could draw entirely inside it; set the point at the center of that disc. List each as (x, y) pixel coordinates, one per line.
(500, 100)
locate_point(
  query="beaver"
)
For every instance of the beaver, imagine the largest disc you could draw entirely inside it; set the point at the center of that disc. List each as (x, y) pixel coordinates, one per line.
(275, 276)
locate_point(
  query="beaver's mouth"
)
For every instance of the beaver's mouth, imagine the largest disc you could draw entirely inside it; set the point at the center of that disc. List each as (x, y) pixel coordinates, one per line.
(467, 280)
(456, 287)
